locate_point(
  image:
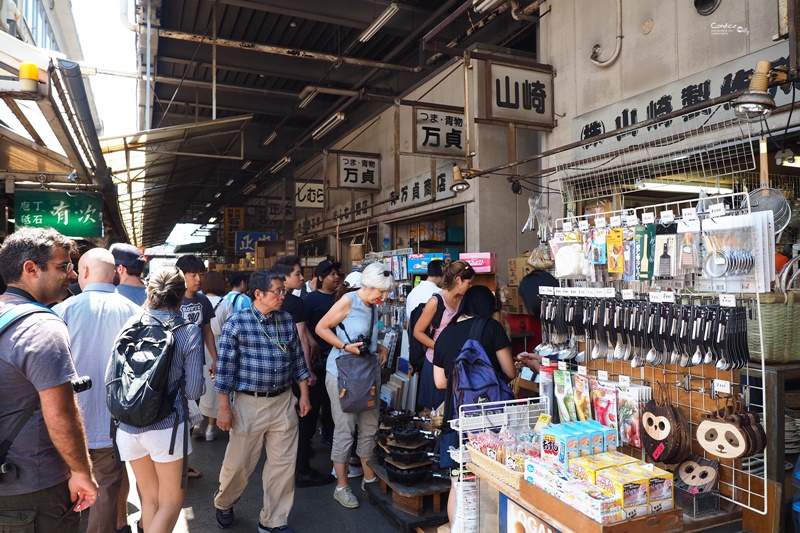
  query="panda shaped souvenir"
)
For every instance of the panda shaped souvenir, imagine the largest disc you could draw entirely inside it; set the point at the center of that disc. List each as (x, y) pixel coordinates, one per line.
(697, 474)
(723, 438)
(665, 430)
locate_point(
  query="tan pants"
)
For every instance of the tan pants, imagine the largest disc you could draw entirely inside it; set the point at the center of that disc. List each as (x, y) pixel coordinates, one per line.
(257, 422)
(344, 425)
(108, 473)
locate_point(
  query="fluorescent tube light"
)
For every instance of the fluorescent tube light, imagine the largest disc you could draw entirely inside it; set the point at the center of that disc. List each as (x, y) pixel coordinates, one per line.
(212, 220)
(246, 164)
(379, 22)
(307, 100)
(669, 186)
(229, 182)
(280, 164)
(481, 6)
(327, 126)
(272, 137)
(218, 195)
(208, 204)
(250, 188)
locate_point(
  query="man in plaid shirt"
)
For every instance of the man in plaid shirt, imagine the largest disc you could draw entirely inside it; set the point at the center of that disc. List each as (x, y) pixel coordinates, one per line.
(259, 358)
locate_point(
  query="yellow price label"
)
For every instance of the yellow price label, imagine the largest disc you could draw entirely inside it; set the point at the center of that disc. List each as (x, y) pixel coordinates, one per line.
(543, 422)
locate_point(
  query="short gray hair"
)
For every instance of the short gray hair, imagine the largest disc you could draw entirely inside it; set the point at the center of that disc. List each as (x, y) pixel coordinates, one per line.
(376, 276)
(31, 244)
(261, 280)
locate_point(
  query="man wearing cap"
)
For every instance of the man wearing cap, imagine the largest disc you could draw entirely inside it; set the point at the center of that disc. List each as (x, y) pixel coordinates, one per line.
(130, 264)
(317, 304)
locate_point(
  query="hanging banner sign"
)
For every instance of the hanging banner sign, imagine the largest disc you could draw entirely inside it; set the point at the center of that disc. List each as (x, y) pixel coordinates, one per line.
(309, 195)
(74, 214)
(439, 132)
(358, 172)
(246, 240)
(420, 189)
(233, 221)
(519, 94)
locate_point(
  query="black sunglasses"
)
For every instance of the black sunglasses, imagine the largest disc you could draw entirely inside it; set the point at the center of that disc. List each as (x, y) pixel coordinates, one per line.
(386, 273)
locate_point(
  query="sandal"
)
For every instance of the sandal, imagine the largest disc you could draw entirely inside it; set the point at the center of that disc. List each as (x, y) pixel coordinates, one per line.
(194, 474)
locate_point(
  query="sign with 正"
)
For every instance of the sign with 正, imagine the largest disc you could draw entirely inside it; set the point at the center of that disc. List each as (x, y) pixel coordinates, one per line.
(520, 94)
(439, 132)
(246, 240)
(233, 221)
(76, 214)
(358, 172)
(309, 195)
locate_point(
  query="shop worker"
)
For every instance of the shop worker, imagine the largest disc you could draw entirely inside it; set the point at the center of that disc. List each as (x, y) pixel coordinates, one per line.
(260, 357)
(319, 302)
(238, 296)
(94, 318)
(289, 267)
(130, 262)
(48, 478)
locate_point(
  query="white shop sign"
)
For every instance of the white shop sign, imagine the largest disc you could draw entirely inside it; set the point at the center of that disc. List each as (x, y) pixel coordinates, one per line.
(358, 172)
(520, 94)
(309, 195)
(439, 132)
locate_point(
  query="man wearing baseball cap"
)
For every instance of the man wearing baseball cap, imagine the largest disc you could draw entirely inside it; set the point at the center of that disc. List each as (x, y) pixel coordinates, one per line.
(130, 263)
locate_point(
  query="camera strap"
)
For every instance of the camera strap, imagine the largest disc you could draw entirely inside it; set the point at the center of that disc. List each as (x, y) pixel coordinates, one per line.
(371, 325)
(8, 316)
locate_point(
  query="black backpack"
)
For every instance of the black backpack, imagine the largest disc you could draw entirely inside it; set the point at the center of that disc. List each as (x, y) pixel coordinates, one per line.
(137, 392)
(416, 350)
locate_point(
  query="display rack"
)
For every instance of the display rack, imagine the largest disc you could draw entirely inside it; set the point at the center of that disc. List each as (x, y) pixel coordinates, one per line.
(695, 388)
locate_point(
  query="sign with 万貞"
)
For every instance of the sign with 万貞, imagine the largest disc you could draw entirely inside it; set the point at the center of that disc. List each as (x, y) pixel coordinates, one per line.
(75, 214)
(246, 240)
(358, 172)
(519, 94)
(233, 222)
(438, 132)
(419, 189)
(310, 195)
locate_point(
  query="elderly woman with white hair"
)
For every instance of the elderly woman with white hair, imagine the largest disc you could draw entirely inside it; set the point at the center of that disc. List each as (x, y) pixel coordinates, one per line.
(357, 313)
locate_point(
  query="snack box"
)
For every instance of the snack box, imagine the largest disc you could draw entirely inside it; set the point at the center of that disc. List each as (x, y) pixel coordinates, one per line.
(586, 468)
(591, 442)
(418, 263)
(615, 458)
(661, 481)
(610, 437)
(559, 445)
(482, 262)
(636, 512)
(630, 488)
(662, 505)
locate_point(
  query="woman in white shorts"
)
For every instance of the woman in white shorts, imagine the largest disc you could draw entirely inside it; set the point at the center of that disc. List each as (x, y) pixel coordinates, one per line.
(158, 473)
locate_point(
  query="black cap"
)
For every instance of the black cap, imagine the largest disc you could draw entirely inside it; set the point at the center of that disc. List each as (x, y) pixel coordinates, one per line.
(324, 268)
(127, 255)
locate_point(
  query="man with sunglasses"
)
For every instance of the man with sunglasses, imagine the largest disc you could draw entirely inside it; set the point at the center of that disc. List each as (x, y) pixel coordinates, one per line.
(260, 357)
(47, 472)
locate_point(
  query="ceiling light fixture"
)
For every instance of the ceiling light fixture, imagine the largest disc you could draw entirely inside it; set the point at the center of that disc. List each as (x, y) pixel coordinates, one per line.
(307, 100)
(328, 125)
(379, 22)
(212, 220)
(272, 137)
(218, 195)
(229, 182)
(687, 187)
(756, 103)
(250, 188)
(208, 204)
(481, 6)
(280, 164)
(459, 182)
(246, 164)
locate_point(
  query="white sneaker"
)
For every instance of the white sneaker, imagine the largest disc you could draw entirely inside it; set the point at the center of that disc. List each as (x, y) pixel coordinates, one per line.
(211, 432)
(345, 497)
(354, 471)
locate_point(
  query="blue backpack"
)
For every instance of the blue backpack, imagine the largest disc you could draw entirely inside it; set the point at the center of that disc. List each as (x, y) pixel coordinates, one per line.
(475, 379)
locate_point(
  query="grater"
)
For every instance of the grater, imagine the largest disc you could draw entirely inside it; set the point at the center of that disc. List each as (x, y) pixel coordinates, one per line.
(687, 252)
(665, 262)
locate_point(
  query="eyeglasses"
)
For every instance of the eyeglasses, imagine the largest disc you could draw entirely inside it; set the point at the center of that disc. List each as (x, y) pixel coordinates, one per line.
(66, 266)
(279, 292)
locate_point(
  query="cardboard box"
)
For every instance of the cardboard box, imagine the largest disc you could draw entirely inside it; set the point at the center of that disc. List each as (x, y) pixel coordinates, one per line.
(513, 302)
(518, 268)
(418, 263)
(482, 262)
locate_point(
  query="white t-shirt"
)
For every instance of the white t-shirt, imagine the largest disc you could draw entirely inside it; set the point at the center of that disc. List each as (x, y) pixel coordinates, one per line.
(420, 295)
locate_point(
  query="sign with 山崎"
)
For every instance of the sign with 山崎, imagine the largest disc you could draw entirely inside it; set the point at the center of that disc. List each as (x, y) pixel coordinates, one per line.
(74, 214)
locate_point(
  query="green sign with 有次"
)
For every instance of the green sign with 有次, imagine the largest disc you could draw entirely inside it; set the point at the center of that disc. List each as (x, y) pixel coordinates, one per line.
(75, 214)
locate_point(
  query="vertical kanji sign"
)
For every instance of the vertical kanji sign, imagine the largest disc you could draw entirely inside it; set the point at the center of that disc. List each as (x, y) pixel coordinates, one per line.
(75, 214)
(359, 172)
(233, 222)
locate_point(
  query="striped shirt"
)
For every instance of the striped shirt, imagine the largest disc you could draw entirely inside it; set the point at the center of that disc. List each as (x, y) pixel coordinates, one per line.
(250, 357)
(238, 300)
(188, 358)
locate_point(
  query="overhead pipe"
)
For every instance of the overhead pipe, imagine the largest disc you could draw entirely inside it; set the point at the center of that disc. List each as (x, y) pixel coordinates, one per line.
(618, 46)
(123, 16)
(289, 52)
(525, 13)
(308, 89)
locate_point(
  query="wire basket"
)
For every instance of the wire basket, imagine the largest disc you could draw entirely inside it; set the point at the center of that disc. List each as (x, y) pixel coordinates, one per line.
(697, 505)
(792, 402)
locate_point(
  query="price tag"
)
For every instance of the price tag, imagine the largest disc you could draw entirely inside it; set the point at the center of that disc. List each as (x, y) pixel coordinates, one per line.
(668, 297)
(559, 291)
(627, 294)
(631, 220)
(602, 374)
(548, 291)
(716, 210)
(562, 365)
(581, 370)
(722, 386)
(543, 422)
(727, 300)
(583, 225)
(600, 222)
(610, 292)
(667, 216)
(625, 381)
(566, 225)
(545, 361)
(648, 218)
(583, 292)
(656, 297)
(615, 222)
(690, 213)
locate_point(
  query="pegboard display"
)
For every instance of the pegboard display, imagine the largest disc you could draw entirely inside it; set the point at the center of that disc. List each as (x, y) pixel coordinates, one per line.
(680, 322)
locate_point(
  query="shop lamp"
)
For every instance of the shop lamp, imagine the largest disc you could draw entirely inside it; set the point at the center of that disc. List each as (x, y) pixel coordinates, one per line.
(379, 22)
(460, 184)
(28, 77)
(756, 103)
(280, 164)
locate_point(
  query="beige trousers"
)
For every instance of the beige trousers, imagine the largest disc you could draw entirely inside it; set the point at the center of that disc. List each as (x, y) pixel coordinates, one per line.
(108, 473)
(257, 422)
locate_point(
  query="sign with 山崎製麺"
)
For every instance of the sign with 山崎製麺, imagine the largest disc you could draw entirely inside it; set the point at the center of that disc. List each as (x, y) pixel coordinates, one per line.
(74, 214)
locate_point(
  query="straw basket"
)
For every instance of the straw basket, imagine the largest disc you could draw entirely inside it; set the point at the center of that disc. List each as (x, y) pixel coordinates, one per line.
(780, 326)
(497, 470)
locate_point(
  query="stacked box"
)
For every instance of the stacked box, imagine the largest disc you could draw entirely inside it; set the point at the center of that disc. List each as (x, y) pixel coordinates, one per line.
(482, 262)
(586, 468)
(513, 302)
(518, 268)
(660, 483)
(630, 488)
